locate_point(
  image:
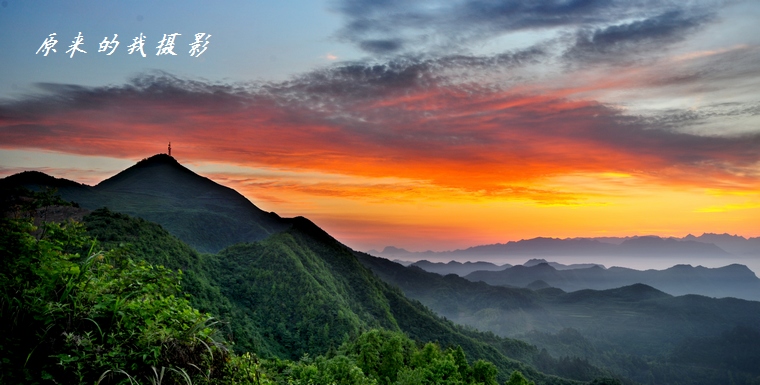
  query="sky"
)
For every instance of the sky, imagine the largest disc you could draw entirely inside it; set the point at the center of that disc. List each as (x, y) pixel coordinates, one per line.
(427, 124)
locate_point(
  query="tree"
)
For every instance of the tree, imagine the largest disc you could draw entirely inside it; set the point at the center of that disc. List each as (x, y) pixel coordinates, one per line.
(517, 378)
(484, 372)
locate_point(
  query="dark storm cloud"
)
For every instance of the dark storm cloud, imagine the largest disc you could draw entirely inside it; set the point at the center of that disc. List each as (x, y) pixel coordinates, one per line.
(618, 42)
(602, 27)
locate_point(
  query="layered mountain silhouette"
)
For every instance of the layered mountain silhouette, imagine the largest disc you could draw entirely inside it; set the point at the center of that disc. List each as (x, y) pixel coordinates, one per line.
(463, 269)
(729, 281)
(458, 268)
(560, 266)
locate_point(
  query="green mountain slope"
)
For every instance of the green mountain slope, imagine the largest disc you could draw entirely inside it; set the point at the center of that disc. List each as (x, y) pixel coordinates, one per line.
(300, 291)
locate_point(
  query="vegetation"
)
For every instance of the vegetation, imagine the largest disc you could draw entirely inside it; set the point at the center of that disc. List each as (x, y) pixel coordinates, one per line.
(384, 358)
(74, 313)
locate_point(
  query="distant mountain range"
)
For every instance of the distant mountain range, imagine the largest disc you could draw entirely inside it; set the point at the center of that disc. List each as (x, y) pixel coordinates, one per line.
(572, 253)
(705, 245)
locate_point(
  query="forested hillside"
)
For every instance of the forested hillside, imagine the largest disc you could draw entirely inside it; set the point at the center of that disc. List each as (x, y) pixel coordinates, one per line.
(122, 316)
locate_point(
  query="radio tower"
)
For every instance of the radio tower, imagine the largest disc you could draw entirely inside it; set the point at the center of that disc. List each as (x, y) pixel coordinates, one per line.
(170, 148)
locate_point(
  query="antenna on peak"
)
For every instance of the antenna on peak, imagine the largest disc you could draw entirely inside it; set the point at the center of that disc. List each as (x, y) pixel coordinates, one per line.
(170, 148)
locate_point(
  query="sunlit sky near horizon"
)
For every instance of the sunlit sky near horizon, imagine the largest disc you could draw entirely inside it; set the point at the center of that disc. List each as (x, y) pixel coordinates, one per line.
(427, 125)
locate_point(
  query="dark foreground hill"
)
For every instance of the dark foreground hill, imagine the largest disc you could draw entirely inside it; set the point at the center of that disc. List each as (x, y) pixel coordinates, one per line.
(636, 330)
(197, 210)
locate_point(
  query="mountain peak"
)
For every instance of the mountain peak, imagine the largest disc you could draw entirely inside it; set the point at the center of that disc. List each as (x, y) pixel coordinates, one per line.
(159, 172)
(158, 159)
